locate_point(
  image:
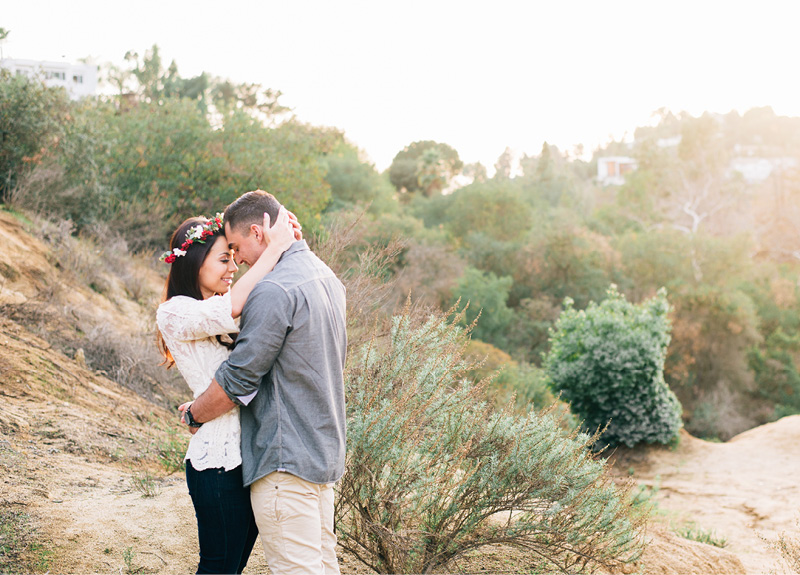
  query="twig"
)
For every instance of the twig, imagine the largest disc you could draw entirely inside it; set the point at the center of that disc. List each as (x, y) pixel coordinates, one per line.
(153, 553)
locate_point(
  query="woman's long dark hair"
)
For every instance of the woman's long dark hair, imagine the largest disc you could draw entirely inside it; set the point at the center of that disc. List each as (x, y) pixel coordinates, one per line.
(184, 274)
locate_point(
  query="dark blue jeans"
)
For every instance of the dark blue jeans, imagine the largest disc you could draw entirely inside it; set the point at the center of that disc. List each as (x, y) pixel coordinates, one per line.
(226, 526)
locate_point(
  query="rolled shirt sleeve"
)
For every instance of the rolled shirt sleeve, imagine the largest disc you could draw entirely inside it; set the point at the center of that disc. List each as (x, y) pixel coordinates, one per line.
(266, 320)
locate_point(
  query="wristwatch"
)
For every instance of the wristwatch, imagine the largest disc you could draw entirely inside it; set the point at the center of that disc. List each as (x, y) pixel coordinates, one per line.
(187, 416)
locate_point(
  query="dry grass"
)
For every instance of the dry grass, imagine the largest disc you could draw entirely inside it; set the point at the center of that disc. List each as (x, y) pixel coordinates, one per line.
(32, 186)
(788, 547)
(123, 350)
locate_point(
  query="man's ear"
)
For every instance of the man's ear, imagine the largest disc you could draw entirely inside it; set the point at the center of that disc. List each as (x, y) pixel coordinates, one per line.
(256, 230)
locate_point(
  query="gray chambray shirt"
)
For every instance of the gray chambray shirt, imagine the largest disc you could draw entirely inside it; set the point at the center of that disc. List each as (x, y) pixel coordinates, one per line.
(287, 371)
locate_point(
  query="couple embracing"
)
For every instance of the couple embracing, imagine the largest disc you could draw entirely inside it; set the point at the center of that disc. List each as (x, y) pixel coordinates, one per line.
(268, 418)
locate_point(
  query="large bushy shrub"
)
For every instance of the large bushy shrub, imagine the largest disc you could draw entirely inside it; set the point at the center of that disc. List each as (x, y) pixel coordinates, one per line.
(608, 363)
(32, 119)
(433, 472)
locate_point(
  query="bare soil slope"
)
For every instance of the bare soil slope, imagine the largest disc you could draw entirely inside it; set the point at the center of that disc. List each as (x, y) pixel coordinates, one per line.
(743, 490)
(73, 443)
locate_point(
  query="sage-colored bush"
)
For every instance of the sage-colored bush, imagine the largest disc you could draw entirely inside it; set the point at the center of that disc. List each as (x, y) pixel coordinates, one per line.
(433, 472)
(608, 363)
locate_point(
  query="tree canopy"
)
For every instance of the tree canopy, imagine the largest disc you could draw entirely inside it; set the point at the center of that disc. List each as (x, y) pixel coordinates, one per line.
(425, 166)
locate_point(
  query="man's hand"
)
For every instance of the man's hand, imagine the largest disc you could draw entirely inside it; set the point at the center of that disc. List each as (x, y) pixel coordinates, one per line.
(212, 403)
(182, 408)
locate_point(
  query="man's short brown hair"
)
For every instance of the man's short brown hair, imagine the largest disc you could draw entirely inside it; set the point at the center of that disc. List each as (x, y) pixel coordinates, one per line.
(249, 209)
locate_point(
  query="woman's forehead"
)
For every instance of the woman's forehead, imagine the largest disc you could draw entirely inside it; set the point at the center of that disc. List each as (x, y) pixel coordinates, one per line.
(221, 245)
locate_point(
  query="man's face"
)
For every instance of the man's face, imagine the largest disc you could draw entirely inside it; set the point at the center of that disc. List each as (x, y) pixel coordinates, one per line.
(246, 247)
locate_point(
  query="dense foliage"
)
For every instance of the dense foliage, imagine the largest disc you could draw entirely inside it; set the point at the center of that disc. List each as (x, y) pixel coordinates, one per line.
(607, 361)
(144, 165)
(691, 217)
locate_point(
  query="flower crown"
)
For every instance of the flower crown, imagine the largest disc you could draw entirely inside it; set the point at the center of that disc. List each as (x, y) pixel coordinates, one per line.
(196, 234)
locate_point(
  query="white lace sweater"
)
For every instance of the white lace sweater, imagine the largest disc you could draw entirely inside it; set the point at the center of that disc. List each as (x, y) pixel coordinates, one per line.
(189, 327)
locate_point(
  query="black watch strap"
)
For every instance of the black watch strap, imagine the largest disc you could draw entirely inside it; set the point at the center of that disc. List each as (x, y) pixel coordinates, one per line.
(187, 416)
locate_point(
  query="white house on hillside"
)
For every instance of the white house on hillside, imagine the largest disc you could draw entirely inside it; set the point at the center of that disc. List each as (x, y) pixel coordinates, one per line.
(78, 79)
(612, 169)
(757, 169)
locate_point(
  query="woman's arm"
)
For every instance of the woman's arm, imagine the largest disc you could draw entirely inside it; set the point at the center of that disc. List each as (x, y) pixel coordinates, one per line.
(279, 238)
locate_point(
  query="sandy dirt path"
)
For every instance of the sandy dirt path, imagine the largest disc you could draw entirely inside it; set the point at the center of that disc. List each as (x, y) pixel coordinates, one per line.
(741, 489)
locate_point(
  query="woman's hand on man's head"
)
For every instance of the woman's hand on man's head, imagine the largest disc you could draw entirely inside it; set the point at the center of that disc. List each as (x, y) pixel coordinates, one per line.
(298, 233)
(283, 233)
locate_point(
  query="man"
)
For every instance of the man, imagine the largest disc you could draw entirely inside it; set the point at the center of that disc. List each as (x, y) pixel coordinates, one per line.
(287, 372)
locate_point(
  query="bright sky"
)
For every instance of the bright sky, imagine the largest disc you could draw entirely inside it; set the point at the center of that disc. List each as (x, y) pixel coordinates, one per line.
(479, 76)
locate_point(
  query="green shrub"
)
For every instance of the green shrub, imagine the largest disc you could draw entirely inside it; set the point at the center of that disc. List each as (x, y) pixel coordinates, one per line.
(433, 472)
(608, 363)
(695, 533)
(145, 483)
(172, 450)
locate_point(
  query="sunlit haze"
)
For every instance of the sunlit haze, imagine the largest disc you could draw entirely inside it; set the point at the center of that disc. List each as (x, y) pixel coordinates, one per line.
(479, 76)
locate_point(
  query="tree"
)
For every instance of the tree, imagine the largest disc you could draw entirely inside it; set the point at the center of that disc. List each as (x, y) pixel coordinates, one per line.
(510, 382)
(163, 165)
(487, 295)
(119, 77)
(504, 165)
(476, 171)
(528, 332)
(547, 181)
(261, 103)
(608, 363)
(355, 182)
(3, 35)
(149, 73)
(218, 96)
(495, 209)
(562, 258)
(776, 207)
(167, 161)
(686, 188)
(425, 167)
(711, 360)
(190, 88)
(430, 272)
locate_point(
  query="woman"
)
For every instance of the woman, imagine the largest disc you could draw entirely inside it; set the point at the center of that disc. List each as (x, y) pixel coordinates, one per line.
(194, 322)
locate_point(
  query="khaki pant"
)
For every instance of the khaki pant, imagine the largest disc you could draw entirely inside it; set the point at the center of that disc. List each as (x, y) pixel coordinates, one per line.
(295, 522)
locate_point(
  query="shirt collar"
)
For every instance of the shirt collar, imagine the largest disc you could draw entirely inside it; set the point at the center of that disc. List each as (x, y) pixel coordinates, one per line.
(297, 246)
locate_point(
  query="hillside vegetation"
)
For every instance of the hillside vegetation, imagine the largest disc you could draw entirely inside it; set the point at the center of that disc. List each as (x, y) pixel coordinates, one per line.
(710, 211)
(89, 476)
(472, 301)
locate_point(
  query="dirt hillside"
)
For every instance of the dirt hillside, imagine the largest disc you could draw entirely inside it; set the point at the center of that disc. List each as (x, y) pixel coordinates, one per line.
(79, 451)
(742, 490)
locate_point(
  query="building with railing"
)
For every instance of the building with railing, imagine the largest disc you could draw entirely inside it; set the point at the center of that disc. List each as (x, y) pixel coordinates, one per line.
(78, 80)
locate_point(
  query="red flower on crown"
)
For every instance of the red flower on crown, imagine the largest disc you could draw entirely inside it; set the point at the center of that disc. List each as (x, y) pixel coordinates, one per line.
(198, 234)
